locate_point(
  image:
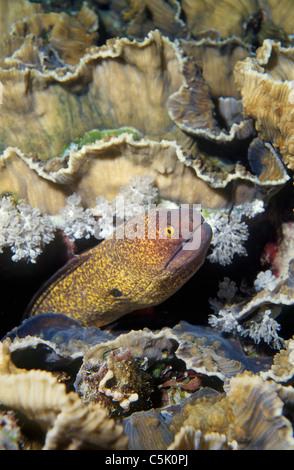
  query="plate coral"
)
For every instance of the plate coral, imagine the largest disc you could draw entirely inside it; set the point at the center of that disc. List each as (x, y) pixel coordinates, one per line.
(110, 112)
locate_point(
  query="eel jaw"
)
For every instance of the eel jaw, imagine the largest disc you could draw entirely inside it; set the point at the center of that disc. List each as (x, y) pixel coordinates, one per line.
(201, 250)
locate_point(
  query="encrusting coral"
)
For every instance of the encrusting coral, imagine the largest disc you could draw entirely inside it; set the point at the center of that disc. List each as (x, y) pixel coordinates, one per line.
(58, 39)
(248, 416)
(135, 18)
(227, 17)
(106, 165)
(258, 411)
(207, 352)
(246, 413)
(117, 373)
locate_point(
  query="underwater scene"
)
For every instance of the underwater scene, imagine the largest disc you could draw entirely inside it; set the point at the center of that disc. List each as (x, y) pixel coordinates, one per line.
(146, 225)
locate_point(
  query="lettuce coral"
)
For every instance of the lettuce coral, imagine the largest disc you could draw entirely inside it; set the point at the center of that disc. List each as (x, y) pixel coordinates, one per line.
(229, 234)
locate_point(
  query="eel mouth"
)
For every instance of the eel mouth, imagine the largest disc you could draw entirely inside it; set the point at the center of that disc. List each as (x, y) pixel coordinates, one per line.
(199, 250)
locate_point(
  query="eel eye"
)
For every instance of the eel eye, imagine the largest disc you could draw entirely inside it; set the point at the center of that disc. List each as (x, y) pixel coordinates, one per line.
(116, 293)
(170, 231)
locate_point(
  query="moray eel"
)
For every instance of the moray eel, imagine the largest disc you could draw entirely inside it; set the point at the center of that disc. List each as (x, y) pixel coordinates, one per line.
(144, 262)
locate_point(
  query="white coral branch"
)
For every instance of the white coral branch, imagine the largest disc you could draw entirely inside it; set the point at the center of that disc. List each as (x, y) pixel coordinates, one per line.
(77, 222)
(24, 229)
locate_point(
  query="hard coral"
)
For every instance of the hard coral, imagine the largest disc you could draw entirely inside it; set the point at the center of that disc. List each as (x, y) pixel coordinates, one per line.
(255, 315)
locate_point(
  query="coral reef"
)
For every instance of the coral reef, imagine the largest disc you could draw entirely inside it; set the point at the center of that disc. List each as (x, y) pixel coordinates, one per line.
(248, 417)
(260, 423)
(207, 352)
(57, 96)
(106, 165)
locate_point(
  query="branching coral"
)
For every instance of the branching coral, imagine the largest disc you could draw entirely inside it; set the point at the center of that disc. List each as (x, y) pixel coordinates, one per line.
(265, 280)
(255, 314)
(267, 329)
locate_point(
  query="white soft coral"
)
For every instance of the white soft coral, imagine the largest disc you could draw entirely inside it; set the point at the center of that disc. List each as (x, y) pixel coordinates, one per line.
(77, 222)
(229, 234)
(24, 229)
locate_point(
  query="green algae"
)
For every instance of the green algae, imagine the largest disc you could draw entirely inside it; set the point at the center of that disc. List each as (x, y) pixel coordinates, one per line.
(98, 134)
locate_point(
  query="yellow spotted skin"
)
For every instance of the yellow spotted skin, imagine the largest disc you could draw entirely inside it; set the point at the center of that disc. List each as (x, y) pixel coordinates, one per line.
(124, 273)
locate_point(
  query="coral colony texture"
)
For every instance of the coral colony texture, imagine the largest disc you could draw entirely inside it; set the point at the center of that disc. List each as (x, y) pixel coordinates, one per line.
(112, 111)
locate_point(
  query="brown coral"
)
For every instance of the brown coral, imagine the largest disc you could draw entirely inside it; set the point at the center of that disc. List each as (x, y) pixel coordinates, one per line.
(47, 104)
(209, 108)
(15, 11)
(281, 13)
(66, 422)
(266, 85)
